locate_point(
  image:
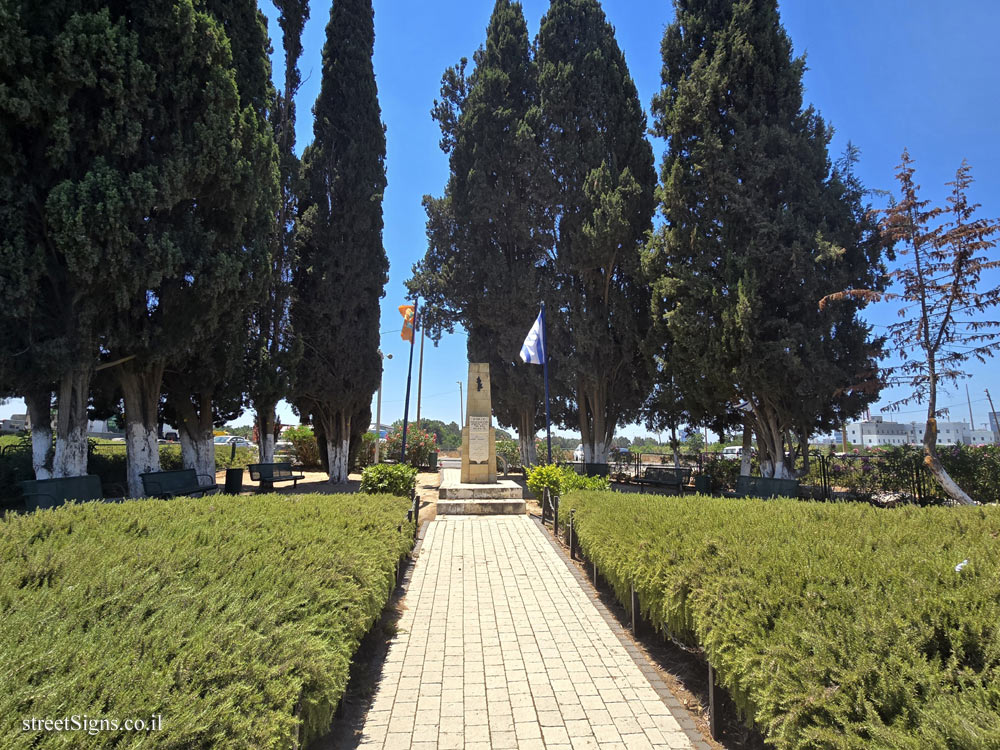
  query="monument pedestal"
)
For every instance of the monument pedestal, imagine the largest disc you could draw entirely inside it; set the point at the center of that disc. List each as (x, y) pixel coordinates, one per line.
(504, 497)
(475, 490)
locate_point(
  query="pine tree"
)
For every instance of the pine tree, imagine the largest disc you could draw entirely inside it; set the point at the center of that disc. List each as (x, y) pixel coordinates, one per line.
(594, 138)
(342, 267)
(273, 353)
(758, 227)
(490, 235)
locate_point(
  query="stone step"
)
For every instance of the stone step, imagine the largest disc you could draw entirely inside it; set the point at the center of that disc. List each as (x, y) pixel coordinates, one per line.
(496, 507)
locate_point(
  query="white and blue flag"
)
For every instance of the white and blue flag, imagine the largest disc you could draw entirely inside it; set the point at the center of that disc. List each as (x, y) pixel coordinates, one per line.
(533, 349)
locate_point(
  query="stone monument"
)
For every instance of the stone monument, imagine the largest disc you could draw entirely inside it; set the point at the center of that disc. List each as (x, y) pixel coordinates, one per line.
(479, 455)
(475, 490)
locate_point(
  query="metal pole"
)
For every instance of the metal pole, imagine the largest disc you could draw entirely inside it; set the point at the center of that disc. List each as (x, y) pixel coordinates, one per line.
(461, 416)
(409, 376)
(420, 375)
(378, 421)
(545, 368)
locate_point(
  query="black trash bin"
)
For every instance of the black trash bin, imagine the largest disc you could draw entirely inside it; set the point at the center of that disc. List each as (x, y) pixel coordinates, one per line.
(234, 481)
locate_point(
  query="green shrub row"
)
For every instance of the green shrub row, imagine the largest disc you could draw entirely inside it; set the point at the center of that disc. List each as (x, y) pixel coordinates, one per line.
(832, 625)
(234, 618)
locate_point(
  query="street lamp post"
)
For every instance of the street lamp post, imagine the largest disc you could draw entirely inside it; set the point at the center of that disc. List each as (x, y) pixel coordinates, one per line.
(461, 417)
(378, 409)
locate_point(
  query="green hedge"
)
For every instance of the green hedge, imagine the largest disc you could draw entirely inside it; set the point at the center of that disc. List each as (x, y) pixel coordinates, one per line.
(234, 618)
(832, 625)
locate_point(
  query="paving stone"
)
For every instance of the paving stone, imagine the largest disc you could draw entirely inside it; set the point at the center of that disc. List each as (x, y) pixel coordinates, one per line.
(500, 646)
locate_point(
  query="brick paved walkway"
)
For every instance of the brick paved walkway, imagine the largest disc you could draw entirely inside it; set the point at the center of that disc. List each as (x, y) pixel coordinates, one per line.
(500, 647)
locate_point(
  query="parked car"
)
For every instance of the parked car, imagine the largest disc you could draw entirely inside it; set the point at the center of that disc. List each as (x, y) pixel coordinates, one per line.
(733, 452)
(233, 440)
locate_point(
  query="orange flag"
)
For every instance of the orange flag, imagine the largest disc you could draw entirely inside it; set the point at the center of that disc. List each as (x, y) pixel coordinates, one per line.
(408, 313)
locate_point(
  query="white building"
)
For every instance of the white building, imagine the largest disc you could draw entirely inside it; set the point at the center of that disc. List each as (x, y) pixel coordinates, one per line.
(876, 432)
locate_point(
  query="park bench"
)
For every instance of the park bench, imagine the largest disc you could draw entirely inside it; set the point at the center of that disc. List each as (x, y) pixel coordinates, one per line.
(51, 493)
(168, 484)
(664, 476)
(268, 474)
(766, 487)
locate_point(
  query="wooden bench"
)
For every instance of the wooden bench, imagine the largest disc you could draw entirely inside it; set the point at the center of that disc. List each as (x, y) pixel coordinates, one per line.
(664, 476)
(168, 484)
(51, 493)
(268, 474)
(766, 487)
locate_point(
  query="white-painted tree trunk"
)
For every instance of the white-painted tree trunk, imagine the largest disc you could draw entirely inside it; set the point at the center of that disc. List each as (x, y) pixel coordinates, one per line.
(41, 451)
(142, 398)
(596, 453)
(198, 453)
(267, 449)
(71, 454)
(70, 459)
(746, 455)
(337, 451)
(39, 404)
(143, 453)
(526, 448)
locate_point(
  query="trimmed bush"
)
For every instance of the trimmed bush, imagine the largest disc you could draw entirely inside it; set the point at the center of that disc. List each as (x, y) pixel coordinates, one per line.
(235, 618)
(306, 448)
(562, 479)
(832, 625)
(393, 479)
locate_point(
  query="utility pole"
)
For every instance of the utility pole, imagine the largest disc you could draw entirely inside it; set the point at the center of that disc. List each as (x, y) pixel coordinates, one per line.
(378, 408)
(994, 417)
(972, 422)
(461, 417)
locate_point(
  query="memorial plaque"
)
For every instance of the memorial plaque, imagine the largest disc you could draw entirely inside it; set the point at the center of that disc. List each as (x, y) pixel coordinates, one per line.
(479, 436)
(479, 462)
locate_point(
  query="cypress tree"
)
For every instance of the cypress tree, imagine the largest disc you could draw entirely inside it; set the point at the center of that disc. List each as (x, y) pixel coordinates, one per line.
(758, 227)
(342, 266)
(490, 235)
(127, 156)
(205, 385)
(273, 353)
(594, 138)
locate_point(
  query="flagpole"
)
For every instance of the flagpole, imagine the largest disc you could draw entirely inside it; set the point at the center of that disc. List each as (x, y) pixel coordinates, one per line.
(409, 377)
(545, 368)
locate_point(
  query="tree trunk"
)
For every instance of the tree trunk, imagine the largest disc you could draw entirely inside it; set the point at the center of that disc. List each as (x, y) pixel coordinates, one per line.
(931, 460)
(804, 449)
(770, 442)
(39, 403)
(337, 434)
(675, 445)
(746, 455)
(594, 429)
(142, 401)
(526, 437)
(71, 426)
(197, 436)
(265, 419)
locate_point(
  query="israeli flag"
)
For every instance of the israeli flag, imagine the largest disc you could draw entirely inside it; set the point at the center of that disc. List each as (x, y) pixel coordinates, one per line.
(533, 349)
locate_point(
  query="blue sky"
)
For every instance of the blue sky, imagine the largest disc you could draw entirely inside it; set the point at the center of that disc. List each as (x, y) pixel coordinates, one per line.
(886, 74)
